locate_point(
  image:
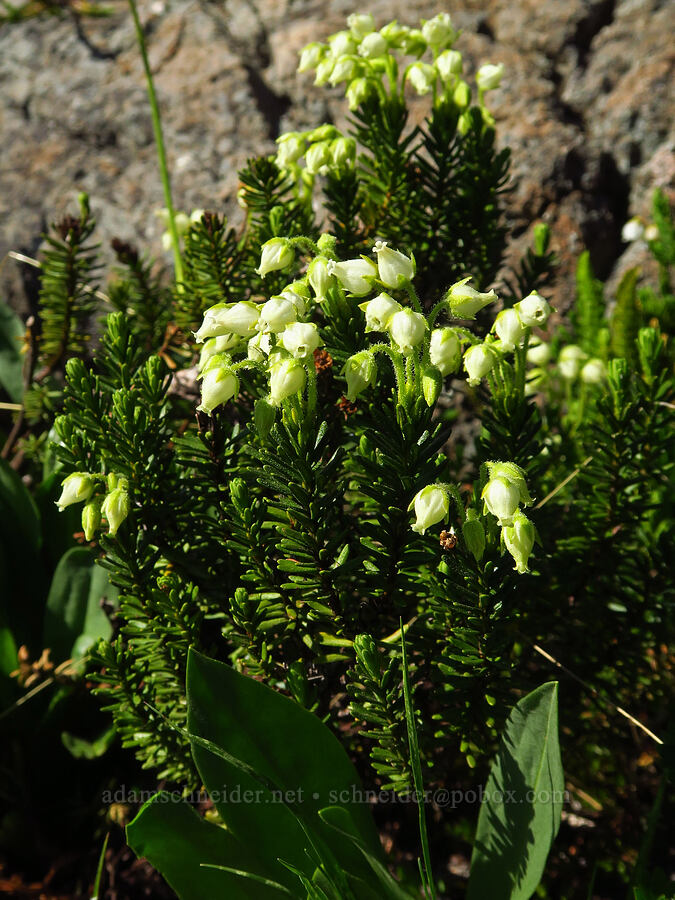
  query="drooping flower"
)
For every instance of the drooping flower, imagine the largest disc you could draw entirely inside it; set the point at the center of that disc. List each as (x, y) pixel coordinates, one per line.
(91, 518)
(478, 361)
(276, 314)
(533, 310)
(465, 301)
(287, 377)
(219, 384)
(394, 269)
(407, 329)
(445, 350)
(115, 508)
(594, 372)
(361, 372)
(449, 64)
(569, 361)
(277, 253)
(538, 353)
(355, 275)
(509, 329)
(519, 540)
(311, 56)
(361, 24)
(501, 498)
(301, 339)
(319, 277)
(220, 344)
(422, 77)
(379, 312)
(432, 505)
(489, 76)
(74, 489)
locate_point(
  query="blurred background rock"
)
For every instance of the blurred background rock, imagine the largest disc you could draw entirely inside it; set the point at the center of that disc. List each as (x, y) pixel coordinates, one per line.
(586, 104)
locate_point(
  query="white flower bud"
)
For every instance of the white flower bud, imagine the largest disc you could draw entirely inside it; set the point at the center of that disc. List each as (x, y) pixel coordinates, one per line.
(395, 269)
(319, 277)
(533, 310)
(343, 152)
(275, 254)
(379, 312)
(394, 33)
(538, 353)
(360, 372)
(515, 476)
(412, 41)
(438, 32)
(342, 70)
(301, 339)
(357, 92)
(311, 56)
(259, 347)
(462, 97)
(569, 361)
(633, 230)
(287, 377)
(74, 489)
(324, 70)
(465, 301)
(341, 44)
(361, 24)
(219, 384)
(449, 64)
(220, 344)
(594, 372)
(478, 361)
(318, 158)
(291, 148)
(115, 508)
(501, 499)
(276, 314)
(509, 329)
(239, 318)
(373, 45)
(422, 77)
(298, 300)
(407, 330)
(355, 275)
(651, 233)
(519, 540)
(445, 350)
(489, 76)
(432, 505)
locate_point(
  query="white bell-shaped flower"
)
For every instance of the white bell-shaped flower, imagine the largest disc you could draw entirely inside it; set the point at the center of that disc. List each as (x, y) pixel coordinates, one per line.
(407, 330)
(355, 275)
(422, 77)
(432, 505)
(478, 361)
(438, 32)
(509, 328)
(277, 253)
(594, 372)
(445, 350)
(489, 76)
(533, 310)
(115, 508)
(361, 24)
(449, 64)
(319, 277)
(501, 498)
(74, 489)
(379, 312)
(465, 301)
(217, 345)
(360, 372)
(276, 314)
(301, 339)
(394, 269)
(570, 360)
(373, 45)
(311, 56)
(219, 384)
(287, 377)
(538, 353)
(519, 540)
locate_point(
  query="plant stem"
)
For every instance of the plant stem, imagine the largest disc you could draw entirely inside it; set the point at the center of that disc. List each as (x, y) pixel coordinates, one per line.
(161, 151)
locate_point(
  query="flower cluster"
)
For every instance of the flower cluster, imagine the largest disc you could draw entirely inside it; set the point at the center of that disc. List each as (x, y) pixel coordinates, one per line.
(182, 221)
(112, 504)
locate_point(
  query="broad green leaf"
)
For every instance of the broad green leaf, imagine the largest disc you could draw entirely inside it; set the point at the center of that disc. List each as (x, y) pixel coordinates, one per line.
(520, 815)
(11, 359)
(74, 618)
(58, 526)
(185, 849)
(293, 766)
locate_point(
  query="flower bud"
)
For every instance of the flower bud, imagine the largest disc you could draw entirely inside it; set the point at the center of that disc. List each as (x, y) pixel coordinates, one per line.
(449, 64)
(341, 44)
(411, 41)
(474, 535)
(259, 347)
(343, 70)
(343, 152)
(519, 540)
(324, 70)
(115, 508)
(220, 344)
(74, 489)
(318, 158)
(276, 253)
(515, 476)
(509, 329)
(395, 269)
(445, 350)
(379, 312)
(355, 275)
(264, 414)
(311, 56)
(569, 361)
(91, 519)
(651, 233)
(432, 505)
(361, 24)
(359, 89)
(407, 330)
(432, 384)
(533, 310)
(296, 297)
(361, 372)
(633, 230)
(594, 372)
(318, 276)
(219, 384)
(422, 77)
(489, 76)
(438, 32)
(501, 498)
(373, 45)
(291, 148)
(276, 314)
(478, 361)
(394, 33)
(239, 318)
(301, 339)
(462, 96)
(465, 301)
(538, 353)
(287, 377)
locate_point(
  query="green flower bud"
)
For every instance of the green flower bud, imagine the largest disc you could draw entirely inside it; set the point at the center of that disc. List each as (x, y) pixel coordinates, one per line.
(275, 254)
(318, 158)
(519, 540)
(291, 148)
(91, 518)
(311, 56)
(343, 70)
(74, 489)
(462, 95)
(432, 384)
(361, 372)
(474, 535)
(341, 44)
(438, 32)
(432, 505)
(368, 656)
(541, 234)
(359, 89)
(264, 414)
(115, 508)
(343, 152)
